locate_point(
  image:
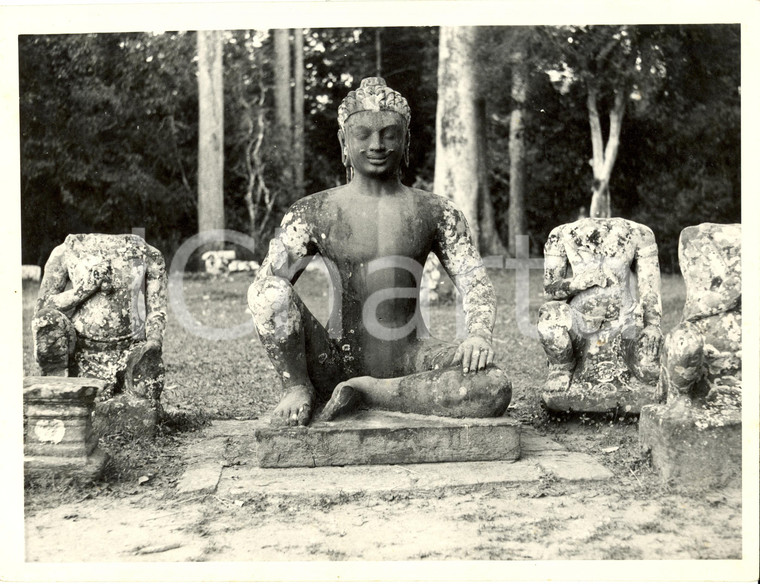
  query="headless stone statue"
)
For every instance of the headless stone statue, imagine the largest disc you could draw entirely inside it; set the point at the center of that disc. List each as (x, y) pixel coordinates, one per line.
(374, 234)
(101, 313)
(601, 332)
(702, 364)
(697, 433)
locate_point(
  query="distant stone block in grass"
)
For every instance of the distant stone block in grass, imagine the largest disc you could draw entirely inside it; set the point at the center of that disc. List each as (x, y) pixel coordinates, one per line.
(690, 445)
(58, 436)
(378, 437)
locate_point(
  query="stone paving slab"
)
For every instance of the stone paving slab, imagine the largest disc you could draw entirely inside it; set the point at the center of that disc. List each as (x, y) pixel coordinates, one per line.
(239, 482)
(221, 463)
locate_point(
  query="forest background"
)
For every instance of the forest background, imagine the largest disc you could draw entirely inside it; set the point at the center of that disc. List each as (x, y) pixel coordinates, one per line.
(110, 126)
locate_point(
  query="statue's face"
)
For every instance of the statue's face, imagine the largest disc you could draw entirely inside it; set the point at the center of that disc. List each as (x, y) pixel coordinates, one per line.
(375, 142)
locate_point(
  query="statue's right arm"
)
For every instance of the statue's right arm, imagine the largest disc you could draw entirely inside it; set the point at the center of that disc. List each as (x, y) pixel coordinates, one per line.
(556, 285)
(291, 249)
(53, 293)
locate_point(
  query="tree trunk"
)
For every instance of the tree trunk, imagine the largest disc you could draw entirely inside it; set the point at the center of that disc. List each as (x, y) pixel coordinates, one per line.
(378, 52)
(490, 243)
(456, 149)
(283, 106)
(516, 218)
(604, 157)
(298, 106)
(210, 133)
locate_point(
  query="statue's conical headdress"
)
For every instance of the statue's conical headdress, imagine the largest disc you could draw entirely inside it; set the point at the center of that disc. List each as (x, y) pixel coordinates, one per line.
(373, 95)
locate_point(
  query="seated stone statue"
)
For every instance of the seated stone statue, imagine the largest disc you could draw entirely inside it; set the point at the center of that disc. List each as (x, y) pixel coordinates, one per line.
(101, 313)
(696, 435)
(601, 332)
(374, 234)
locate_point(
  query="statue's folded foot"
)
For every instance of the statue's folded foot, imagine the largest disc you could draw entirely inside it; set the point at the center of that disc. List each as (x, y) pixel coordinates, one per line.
(559, 379)
(344, 399)
(295, 407)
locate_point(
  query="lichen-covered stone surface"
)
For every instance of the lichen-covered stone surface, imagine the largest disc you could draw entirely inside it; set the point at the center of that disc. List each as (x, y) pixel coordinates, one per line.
(696, 435)
(58, 436)
(101, 313)
(601, 328)
(709, 256)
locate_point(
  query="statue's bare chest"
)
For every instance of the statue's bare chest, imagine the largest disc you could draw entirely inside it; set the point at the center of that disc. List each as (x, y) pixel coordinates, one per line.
(374, 229)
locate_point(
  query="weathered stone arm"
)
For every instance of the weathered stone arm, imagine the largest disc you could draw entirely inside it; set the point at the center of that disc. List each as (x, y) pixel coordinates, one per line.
(647, 268)
(557, 285)
(155, 297)
(462, 262)
(290, 250)
(53, 293)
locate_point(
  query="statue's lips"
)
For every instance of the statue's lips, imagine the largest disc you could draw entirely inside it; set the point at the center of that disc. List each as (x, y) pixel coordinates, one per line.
(378, 159)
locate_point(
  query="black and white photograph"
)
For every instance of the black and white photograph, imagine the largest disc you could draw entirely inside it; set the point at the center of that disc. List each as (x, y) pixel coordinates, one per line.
(378, 291)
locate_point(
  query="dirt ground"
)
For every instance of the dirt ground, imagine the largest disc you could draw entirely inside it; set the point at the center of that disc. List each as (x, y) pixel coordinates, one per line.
(141, 517)
(568, 522)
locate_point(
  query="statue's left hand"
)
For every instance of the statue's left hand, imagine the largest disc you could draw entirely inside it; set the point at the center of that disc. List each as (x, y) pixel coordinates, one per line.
(649, 341)
(475, 353)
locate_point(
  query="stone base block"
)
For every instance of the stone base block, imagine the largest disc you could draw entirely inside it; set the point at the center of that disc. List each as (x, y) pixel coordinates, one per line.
(58, 436)
(602, 397)
(375, 437)
(83, 467)
(126, 414)
(691, 446)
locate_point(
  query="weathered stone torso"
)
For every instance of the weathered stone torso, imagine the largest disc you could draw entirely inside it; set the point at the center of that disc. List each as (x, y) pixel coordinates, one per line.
(375, 248)
(118, 311)
(607, 246)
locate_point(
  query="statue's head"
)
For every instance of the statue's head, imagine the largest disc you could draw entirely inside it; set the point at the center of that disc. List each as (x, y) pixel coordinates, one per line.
(374, 128)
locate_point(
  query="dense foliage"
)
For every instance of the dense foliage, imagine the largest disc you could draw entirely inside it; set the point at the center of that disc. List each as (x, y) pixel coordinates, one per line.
(109, 127)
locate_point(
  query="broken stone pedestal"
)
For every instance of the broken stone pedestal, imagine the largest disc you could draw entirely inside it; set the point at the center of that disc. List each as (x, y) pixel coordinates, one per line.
(692, 445)
(696, 436)
(58, 435)
(379, 437)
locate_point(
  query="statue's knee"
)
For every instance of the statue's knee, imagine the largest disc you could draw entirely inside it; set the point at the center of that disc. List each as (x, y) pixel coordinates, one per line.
(51, 319)
(554, 316)
(684, 345)
(492, 391)
(271, 302)
(54, 340)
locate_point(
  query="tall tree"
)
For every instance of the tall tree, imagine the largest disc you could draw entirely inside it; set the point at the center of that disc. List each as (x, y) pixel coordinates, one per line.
(456, 151)
(519, 91)
(490, 243)
(210, 132)
(298, 111)
(610, 61)
(283, 104)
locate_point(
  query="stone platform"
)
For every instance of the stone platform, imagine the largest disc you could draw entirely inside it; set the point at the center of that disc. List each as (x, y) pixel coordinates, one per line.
(378, 437)
(225, 461)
